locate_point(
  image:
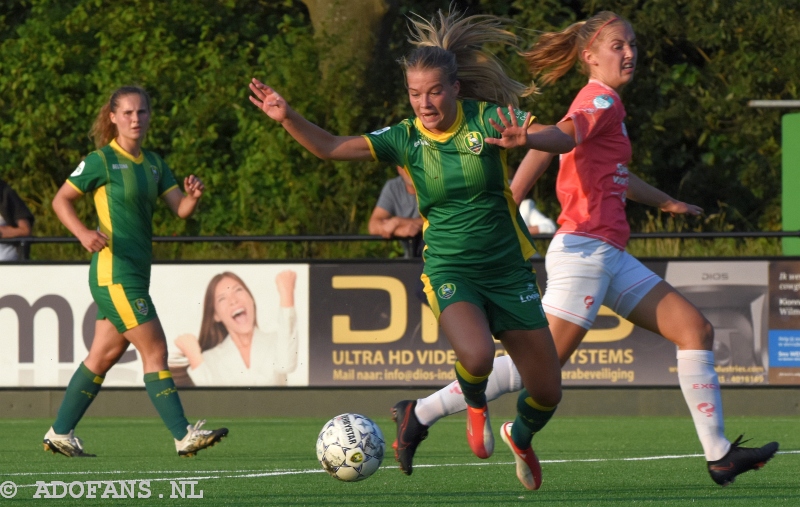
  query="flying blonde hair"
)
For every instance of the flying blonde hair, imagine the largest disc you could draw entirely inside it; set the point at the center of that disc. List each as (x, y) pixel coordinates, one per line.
(555, 53)
(454, 44)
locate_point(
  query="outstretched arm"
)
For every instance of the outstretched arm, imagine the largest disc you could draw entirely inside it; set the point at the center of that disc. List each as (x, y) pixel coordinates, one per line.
(549, 138)
(318, 141)
(645, 193)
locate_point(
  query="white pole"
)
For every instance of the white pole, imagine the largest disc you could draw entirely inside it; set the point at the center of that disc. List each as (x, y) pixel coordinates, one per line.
(787, 104)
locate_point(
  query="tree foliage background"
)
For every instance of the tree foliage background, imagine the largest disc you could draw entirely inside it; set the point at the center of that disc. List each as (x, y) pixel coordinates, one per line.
(693, 134)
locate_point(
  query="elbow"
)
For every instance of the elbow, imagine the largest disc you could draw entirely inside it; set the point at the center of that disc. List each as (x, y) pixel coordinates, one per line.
(517, 194)
(24, 228)
(568, 145)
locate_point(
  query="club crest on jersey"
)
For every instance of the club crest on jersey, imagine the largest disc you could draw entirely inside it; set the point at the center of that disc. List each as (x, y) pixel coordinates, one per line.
(141, 306)
(474, 142)
(447, 290)
(155, 173)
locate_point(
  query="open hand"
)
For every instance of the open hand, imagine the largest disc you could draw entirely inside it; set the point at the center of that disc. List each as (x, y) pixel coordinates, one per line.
(269, 101)
(513, 134)
(680, 208)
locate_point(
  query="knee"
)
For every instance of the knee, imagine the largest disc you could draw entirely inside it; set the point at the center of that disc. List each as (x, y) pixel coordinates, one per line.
(99, 362)
(155, 357)
(477, 366)
(550, 398)
(704, 335)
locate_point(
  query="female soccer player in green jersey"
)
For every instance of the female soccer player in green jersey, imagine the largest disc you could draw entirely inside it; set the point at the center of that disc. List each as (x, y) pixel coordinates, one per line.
(125, 182)
(477, 276)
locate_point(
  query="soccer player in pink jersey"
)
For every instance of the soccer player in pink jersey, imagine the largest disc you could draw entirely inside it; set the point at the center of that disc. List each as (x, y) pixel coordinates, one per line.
(587, 265)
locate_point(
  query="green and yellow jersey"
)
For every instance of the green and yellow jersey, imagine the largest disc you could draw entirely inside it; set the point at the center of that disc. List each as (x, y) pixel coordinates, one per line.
(470, 219)
(125, 190)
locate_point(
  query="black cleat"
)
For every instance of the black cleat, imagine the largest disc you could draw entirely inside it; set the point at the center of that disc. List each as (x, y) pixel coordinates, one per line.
(410, 432)
(739, 460)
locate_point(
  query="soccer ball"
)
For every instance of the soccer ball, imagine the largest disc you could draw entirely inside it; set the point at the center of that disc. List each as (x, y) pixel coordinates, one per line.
(350, 447)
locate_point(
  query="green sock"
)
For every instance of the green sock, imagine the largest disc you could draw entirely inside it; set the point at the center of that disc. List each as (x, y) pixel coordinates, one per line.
(81, 391)
(161, 389)
(531, 417)
(473, 388)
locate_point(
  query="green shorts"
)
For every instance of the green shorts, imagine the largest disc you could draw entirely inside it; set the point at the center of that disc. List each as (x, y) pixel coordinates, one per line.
(124, 306)
(510, 302)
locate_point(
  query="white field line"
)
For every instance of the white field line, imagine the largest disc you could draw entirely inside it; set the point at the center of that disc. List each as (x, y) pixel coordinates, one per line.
(239, 474)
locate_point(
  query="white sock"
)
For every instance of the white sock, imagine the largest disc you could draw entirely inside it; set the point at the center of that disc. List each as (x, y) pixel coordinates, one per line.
(449, 400)
(700, 387)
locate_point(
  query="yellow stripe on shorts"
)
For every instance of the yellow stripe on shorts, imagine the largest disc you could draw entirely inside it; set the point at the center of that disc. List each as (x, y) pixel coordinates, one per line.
(122, 305)
(430, 295)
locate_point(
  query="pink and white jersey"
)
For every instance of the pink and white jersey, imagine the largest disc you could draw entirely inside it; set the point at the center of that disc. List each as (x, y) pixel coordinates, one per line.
(593, 178)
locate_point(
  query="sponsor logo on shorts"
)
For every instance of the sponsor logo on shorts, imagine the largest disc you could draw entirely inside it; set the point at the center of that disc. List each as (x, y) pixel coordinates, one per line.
(141, 306)
(707, 408)
(528, 295)
(474, 142)
(446, 290)
(588, 301)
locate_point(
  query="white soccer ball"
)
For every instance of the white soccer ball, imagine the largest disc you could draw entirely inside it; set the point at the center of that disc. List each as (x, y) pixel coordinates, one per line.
(350, 447)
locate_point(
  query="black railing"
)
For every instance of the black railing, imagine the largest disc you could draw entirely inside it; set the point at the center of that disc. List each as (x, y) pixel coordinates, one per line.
(363, 237)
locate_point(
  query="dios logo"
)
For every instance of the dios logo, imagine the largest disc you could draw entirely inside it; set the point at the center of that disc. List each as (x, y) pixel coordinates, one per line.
(588, 301)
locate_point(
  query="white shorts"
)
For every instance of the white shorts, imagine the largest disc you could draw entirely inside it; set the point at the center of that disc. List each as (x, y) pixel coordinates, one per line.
(585, 273)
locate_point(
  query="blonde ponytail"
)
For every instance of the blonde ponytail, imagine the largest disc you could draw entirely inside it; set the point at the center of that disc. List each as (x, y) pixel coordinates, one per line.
(454, 44)
(555, 53)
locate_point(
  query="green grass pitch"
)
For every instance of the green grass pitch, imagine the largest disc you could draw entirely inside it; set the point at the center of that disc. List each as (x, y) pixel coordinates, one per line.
(591, 461)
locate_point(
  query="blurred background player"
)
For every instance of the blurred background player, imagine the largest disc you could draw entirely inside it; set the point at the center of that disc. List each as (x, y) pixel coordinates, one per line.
(396, 215)
(16, 221)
